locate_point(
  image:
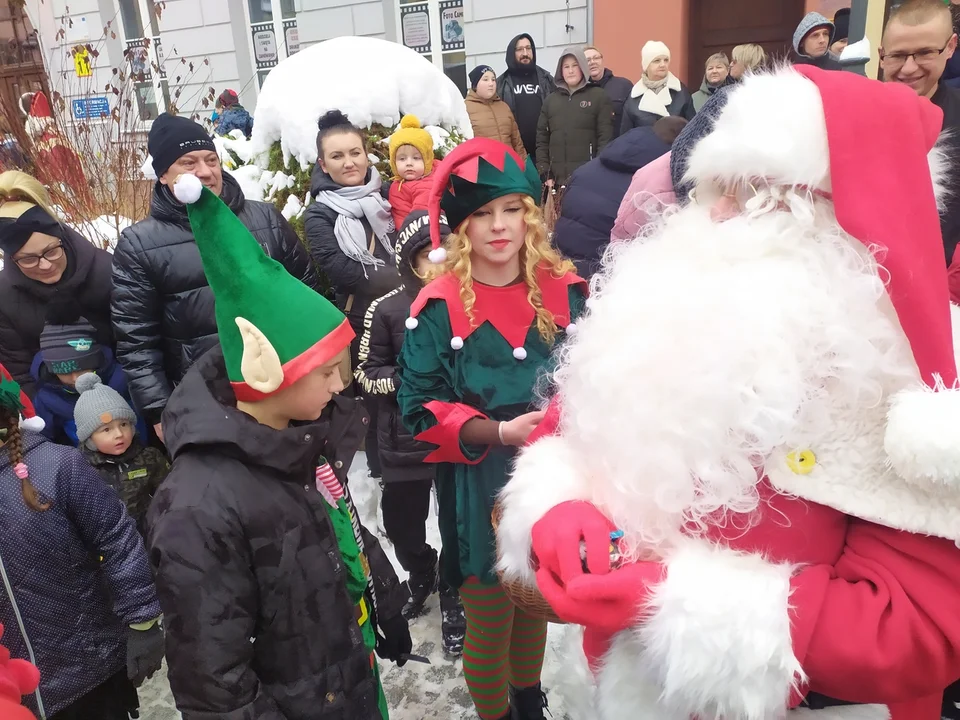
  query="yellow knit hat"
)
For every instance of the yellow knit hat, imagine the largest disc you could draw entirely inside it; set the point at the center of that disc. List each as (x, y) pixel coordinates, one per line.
(410, 133)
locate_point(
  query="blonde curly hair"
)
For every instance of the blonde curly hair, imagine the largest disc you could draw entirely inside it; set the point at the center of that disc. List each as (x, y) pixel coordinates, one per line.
(535, 252)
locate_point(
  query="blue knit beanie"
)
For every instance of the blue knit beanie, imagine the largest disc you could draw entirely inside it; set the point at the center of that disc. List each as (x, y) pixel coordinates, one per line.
(695, 130)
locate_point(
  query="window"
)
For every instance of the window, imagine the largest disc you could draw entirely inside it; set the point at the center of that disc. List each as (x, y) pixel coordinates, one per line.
(262, 10)
(18, 39)
(132, 15)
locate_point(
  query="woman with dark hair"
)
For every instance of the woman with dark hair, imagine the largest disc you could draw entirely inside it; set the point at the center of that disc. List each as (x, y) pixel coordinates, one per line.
(44, 260)
(350, 232)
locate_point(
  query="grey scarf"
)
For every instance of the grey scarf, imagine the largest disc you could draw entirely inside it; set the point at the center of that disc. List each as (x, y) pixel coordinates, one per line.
(654, 85)
(352, 204)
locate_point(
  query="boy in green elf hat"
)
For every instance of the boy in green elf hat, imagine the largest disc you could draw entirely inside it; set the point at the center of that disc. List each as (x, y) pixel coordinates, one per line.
(274, 595)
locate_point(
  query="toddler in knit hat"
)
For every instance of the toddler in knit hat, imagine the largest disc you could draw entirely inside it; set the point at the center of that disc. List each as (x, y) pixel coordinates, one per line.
(412, 162)
(105, 429)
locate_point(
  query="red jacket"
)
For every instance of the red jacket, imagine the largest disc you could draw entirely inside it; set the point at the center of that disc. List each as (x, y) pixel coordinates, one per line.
(405, 196)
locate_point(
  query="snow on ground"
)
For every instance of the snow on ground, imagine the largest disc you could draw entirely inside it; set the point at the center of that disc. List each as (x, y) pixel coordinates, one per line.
(385, 79)
(417, 691)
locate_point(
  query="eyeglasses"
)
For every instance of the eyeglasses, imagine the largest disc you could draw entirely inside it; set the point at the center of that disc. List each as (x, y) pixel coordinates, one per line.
(920, 57)
(52, 254)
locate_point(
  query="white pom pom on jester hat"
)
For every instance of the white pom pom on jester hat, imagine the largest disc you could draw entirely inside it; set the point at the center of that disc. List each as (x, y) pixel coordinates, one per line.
(33, 424)
(187, 188)
(437, 255)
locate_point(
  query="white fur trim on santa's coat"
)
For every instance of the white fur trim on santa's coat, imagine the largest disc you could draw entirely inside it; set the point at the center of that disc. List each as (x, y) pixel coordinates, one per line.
(545, 475)
(773, 128)
(716, 643)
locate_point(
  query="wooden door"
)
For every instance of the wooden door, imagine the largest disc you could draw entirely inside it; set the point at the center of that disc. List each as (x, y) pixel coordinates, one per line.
(719, 25)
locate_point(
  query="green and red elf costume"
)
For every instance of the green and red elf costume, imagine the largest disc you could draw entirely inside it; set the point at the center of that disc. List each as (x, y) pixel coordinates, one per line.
(455, 368)
(274, 331)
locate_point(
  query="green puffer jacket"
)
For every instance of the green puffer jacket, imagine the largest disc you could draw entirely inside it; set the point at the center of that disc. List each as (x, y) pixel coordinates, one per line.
(135, 476)
(574, 126)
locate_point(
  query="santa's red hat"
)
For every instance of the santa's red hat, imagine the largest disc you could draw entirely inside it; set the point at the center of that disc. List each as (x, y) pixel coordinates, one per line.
(40, 106)
(28, 416)
(872, 147)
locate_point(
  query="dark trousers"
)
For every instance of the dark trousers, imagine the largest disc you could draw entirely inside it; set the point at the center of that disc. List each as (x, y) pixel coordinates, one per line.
(116, 699)
(406, 506)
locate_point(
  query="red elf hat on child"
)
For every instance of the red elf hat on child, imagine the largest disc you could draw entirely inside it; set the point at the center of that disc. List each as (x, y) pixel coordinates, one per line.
(872, 148)
(273, 329)
(13, 397)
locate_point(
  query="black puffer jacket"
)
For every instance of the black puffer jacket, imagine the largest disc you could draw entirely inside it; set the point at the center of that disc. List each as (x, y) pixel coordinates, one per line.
(259, 622)
(618, 90)
(575, 125)
(23, 304)
(162, 305)
(520, 87)
(635, 114)
(401, 456)
(348, 277)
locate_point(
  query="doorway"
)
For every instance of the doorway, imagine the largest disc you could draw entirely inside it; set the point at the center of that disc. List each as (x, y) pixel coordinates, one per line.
(719, 25)
(21, 65)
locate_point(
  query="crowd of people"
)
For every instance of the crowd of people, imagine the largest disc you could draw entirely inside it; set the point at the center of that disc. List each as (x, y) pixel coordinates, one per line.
(172, 425)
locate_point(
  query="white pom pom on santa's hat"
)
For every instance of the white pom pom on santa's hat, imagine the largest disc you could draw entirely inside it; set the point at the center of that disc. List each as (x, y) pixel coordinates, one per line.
(187, 188)
(922, 438)
(437, 255)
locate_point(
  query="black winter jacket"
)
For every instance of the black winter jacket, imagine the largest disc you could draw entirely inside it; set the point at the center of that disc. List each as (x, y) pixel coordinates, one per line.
(618, 90)
(574, 128)
(948, 99)
(23, 304)
(401, 457)
(163, 308)
(533, 80)
(348, 277)
(680, 105)
(593, 196)
(259, 622)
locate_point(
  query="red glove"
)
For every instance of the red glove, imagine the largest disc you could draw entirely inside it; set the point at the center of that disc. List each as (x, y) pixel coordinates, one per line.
(557, 536)
(17, 678)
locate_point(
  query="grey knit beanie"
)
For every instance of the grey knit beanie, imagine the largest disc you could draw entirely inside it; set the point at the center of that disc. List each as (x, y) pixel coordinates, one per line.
(98, 405)
(695, 130)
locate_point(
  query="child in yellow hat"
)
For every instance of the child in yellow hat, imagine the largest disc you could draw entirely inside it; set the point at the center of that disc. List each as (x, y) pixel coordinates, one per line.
(412, 162)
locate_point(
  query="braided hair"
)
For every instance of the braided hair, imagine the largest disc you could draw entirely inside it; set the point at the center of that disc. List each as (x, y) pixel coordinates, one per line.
(10, 421)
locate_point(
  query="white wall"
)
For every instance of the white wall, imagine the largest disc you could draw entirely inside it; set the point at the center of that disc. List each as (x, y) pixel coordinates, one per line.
(319, 20)
(198, 31)
(82, 25)
(490, 24)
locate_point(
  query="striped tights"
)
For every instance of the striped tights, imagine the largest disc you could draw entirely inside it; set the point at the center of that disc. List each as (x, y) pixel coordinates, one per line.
(503, 645)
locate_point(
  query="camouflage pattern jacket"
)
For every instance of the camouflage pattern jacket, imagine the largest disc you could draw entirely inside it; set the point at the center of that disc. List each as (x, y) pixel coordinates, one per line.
(135, 476)
(260, 624)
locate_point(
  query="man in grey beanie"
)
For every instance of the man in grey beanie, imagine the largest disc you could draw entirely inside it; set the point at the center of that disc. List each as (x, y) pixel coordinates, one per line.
(812, 40)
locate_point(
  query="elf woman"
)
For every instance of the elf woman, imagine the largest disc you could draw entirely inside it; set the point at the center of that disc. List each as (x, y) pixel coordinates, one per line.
(477, 339)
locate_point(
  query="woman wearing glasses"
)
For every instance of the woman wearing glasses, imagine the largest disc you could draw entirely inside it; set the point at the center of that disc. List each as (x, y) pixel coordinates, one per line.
(43, 261)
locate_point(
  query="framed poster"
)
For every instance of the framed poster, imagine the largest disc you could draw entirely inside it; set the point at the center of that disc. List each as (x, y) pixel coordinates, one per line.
(415, 24)
(451, 24)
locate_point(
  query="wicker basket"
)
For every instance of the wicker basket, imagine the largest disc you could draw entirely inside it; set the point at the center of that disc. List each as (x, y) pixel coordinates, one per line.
(524, 597)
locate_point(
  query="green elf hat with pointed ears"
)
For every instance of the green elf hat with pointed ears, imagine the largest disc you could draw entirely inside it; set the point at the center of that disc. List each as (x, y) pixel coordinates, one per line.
(274, 330)
(473, 174)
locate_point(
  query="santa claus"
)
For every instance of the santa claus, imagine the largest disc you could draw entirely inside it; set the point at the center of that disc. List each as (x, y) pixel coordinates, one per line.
(762, 398)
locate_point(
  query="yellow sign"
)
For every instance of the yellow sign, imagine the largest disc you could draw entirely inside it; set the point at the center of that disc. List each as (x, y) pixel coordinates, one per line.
(81, 61)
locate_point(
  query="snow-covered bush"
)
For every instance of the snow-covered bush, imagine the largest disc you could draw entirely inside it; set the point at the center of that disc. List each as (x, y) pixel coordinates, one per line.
(384, 81)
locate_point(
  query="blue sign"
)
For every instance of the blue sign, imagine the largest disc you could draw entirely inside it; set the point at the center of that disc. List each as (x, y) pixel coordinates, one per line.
(91, 108)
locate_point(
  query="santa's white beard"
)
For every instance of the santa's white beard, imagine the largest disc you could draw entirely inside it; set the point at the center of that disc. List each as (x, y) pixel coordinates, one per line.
(706, 346)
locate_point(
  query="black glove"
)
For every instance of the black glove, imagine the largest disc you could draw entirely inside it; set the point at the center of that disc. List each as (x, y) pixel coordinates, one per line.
(395, 641)
(144, 653)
